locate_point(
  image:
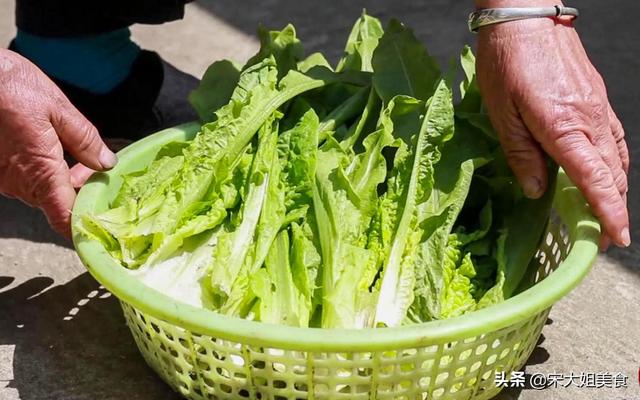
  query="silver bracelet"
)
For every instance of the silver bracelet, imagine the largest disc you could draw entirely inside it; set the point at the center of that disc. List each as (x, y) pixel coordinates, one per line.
(490, 16)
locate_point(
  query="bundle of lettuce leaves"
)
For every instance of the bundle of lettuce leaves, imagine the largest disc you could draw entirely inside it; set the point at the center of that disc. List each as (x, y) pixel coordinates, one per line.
(348, 197)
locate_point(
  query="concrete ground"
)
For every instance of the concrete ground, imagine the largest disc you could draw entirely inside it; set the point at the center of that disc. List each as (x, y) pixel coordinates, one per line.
(63, 337)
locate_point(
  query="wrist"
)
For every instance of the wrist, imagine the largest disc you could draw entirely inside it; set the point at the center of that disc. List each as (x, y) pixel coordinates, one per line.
(516, 3)
(539, 15)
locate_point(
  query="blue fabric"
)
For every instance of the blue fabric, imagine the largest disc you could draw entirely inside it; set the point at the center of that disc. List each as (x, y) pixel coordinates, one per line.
(94, 63)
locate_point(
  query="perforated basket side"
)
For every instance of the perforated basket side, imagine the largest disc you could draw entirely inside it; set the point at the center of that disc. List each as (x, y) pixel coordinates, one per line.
(203, 367)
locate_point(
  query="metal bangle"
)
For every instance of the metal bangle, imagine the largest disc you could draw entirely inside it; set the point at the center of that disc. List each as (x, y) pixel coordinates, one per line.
(490, 16)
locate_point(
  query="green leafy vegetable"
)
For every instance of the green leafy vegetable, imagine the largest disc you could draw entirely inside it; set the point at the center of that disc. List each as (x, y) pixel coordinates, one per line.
(402, 65)
(353, 197)
(215, 89)
(361, 44)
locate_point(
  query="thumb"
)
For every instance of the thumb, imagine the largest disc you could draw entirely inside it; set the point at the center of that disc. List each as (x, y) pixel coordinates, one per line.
(79, 175)
(525, 157)
(80, 138)
(58, 201)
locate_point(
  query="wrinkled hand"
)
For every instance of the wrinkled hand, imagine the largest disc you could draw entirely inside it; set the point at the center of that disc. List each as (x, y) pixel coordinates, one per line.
(544, 95)
(36, 122)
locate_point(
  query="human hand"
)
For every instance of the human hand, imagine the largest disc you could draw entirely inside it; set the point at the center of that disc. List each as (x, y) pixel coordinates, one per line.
(80, 173)
(36, 122)
(543, 95)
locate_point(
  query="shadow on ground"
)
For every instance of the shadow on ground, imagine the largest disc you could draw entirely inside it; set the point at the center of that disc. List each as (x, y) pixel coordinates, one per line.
(71, 342)
(540, 355)
(325, 28)
(22, 222)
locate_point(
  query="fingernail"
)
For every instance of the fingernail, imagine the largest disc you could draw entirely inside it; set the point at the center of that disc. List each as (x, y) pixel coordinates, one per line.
(605, 242)
(532, 187)
(107, 158)
(626, 237)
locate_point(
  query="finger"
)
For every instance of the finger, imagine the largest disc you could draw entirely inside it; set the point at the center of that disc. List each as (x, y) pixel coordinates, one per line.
(605, 242)
(56, 197)
(79, 175)
(618, 135)
(606, 146)
(80, 138)
(586, 168)
(525, 157)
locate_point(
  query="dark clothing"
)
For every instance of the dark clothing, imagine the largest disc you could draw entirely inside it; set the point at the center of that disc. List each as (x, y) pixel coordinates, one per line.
(126, 111)
(73, 18)
(129, 109)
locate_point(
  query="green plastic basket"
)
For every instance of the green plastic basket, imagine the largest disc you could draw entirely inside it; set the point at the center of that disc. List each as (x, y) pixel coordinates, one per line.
(205, 355)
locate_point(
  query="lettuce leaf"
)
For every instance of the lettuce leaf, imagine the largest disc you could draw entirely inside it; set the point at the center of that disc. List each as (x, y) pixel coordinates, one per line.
(215, 89)
(402, 65)
(408, 205)
(362, 42)
(279, 299)
(348, 198)
(235, 241)
(345, 204)
(287, 199)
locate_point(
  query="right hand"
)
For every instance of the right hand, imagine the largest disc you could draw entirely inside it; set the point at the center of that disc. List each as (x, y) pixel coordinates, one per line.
(36, 122)
(544, 96)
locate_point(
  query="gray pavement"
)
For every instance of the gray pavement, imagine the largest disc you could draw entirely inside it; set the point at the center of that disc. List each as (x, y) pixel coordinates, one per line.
(63, 337)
